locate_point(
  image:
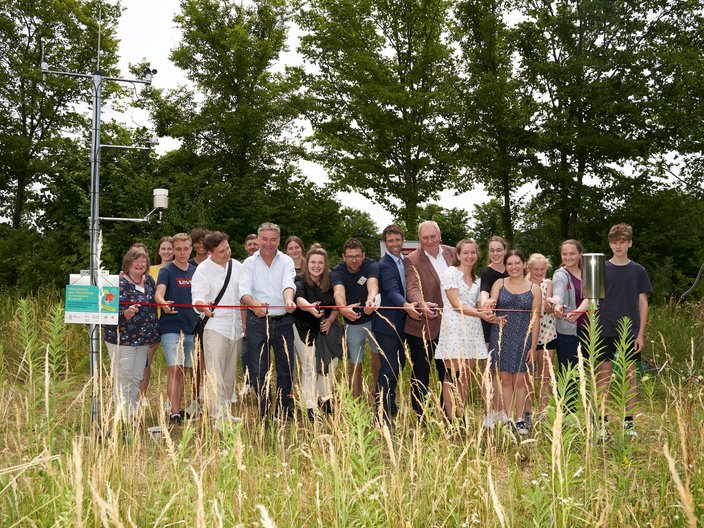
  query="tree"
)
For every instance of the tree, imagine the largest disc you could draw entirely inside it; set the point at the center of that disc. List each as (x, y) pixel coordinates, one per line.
(487, 221)
(36, 111)
(453, 223)
(676, 82)
(498, 139)
(237, 162)
(380, 110)
(585, 62)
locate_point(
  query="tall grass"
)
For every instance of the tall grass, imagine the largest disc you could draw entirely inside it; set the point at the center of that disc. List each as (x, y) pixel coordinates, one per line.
(345, 470)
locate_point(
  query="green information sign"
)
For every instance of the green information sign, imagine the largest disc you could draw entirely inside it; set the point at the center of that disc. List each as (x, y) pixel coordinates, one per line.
(87, 304)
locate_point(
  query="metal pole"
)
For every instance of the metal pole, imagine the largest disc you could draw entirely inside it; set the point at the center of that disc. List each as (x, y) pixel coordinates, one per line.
(94, 329)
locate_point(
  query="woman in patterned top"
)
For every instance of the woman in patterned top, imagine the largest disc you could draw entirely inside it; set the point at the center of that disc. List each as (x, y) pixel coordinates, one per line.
(137, 330)
(537, 267)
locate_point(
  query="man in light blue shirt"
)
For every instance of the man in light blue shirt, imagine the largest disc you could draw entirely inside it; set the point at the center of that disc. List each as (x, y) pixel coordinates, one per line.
(267, 287)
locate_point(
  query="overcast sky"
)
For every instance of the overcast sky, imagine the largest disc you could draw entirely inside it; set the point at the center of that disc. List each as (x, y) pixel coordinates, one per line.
(147, 31)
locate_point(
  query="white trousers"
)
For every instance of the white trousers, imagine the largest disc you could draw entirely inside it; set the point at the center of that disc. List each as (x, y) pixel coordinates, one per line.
(221, 356)
(127, 368)
(313, 385)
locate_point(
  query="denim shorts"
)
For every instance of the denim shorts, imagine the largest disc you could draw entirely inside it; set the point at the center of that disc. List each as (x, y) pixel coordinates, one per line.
(178, 349)
(356, 335)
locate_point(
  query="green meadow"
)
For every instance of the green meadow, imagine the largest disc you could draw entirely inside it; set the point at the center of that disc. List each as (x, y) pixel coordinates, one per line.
(344, 469)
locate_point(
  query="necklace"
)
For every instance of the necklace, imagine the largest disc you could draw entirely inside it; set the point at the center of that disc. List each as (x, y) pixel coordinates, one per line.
(134, 281)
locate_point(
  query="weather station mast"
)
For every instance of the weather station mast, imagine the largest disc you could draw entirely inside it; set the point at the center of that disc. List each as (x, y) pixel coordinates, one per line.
(97, 80)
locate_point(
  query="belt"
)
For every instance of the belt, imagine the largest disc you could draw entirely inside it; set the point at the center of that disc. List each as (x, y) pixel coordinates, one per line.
(275, 317)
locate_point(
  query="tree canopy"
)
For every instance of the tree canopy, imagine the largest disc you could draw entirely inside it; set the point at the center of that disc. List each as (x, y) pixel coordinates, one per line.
(572, 114)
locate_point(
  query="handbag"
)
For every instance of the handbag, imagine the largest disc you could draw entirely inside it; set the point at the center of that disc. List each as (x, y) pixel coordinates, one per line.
(202, 319)
(328, 347)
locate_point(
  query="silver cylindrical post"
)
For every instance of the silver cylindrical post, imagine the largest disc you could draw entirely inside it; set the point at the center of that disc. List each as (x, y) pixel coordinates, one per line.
(593, 277)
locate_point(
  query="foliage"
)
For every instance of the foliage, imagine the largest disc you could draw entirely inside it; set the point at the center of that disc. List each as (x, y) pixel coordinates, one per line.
(495, 120)
(236, 166)
(585, 63)
(453, 223)
(36, 110)
(380, 108)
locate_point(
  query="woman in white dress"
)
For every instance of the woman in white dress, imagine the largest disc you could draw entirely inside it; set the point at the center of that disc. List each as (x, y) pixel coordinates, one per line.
(461, 344)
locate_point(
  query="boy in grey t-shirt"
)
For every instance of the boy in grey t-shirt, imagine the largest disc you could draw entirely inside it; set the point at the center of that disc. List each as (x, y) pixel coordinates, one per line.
(627, 288)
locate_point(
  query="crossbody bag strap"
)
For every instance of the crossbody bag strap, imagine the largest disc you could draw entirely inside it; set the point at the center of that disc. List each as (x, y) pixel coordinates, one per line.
(224, 286)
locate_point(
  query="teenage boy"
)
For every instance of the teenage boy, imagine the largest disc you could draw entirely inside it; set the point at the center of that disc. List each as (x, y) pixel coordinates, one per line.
(198, 235)
(176, 325)
(627, 288)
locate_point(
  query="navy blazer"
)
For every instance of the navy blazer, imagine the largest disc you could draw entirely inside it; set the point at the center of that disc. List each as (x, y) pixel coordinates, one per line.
(391, 290)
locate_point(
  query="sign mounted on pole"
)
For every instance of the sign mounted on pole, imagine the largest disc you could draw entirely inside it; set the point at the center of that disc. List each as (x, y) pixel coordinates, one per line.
(87, 304)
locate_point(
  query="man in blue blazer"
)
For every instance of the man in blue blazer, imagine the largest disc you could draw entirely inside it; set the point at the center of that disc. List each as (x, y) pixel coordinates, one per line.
(388, 324)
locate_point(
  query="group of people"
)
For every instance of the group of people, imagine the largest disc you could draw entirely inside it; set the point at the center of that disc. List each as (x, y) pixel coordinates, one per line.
(500, 327)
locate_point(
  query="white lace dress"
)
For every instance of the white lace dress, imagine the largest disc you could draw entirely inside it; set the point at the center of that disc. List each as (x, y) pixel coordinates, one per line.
(461, 336)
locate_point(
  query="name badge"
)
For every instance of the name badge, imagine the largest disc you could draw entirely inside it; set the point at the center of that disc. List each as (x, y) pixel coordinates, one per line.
(361, 281)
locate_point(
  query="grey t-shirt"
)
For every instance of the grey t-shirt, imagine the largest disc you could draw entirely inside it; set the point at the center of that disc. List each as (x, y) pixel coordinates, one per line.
(624, 284)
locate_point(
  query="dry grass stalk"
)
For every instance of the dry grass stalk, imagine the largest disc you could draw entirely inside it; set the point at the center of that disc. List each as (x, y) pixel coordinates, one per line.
(77, 478)
(264, 514)
(684, 493)
(200, 502)
(496, 503)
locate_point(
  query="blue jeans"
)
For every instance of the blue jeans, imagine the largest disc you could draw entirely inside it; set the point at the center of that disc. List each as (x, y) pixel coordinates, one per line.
(264, 333)
(178, 349)
(245, 361)
(391, 357)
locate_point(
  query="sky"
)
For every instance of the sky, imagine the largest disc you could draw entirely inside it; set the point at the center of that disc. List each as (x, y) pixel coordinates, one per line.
(147, 31)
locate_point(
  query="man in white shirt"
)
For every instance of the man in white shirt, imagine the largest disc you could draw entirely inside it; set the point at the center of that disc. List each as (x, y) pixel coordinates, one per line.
(222, 337)
(268, 287)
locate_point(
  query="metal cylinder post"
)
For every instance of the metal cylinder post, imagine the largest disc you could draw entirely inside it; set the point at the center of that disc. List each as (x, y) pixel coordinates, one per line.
(593, 276)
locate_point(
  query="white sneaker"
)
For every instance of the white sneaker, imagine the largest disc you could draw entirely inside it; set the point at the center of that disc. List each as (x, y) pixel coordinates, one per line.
(629, 429)
(233, 398)
(219, 424)
(490, 420)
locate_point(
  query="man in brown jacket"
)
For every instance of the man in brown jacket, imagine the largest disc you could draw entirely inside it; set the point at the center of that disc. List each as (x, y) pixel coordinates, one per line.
(424, 270)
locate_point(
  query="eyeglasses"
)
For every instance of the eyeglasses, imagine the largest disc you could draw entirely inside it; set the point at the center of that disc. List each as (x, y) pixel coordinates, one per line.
(353, 257)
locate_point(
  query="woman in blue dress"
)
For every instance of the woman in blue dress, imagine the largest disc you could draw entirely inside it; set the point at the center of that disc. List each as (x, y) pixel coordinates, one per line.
(514, 337)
